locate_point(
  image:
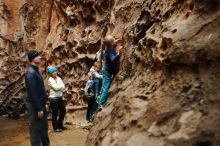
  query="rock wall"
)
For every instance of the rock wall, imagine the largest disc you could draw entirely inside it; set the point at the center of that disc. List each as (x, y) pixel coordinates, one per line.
(166, 93)
(12, 59)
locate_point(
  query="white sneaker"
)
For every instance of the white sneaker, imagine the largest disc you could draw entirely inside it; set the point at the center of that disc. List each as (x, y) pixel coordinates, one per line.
(58, 130)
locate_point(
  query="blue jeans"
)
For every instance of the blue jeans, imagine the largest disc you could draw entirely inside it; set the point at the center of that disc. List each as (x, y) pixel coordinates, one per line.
(106, 83)
(97, 86)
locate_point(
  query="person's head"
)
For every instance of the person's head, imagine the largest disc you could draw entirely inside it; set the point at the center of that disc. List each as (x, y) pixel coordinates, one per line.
(98, 65)
(53, 72)
(109, 41)
(48, 68)
(34, 57)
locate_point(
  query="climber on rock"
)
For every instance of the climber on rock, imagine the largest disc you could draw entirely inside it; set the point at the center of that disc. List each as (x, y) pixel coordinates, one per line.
(90, 96)
(92, 89)
(97, 76)
(110, 67)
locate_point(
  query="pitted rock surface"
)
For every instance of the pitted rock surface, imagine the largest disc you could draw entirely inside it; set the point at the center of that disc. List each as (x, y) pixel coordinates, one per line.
(167, 90)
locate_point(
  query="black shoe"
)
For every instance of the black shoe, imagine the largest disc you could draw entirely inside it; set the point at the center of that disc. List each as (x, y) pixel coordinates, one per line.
(99, 109)
(90, 120)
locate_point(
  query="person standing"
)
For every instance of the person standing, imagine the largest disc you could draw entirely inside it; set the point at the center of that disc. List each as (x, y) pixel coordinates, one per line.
(110, 67)
(57, 88)
(36, 102)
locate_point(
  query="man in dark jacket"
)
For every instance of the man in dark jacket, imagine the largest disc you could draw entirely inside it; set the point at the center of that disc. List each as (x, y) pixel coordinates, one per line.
(36, 102)
(110, 67)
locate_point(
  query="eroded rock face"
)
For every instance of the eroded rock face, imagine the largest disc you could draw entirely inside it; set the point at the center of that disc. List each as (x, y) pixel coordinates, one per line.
(166, 93)
(12, 61)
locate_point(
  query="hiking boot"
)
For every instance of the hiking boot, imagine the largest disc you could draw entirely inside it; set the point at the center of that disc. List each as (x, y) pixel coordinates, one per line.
(58, 130)
(89, 121)
(100, 109)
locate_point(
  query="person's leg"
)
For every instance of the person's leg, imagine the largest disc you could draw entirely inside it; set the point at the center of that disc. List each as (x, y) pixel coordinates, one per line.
(94, 107)
(44, 130)
(54, 107)
(100, 86)
(35, 139)
(62, 110)
(97, 86)
(105, 88)
(89, 109)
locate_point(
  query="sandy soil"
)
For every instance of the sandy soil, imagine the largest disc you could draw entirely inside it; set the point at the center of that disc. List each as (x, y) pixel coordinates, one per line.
(15, 133)
(71, 137)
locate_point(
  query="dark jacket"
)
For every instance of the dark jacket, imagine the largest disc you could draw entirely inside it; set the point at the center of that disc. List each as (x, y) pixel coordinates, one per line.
(36, 93)
(111, 61)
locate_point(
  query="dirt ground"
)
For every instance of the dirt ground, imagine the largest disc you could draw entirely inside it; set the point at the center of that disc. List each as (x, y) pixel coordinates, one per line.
(15, 133)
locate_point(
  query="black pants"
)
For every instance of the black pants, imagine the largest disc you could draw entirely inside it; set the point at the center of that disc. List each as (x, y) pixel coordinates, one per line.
(92, 106)
(38, 127)
(57, 106)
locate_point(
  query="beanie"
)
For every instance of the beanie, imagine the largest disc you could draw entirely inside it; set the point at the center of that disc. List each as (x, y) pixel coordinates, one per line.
(32, 54)
(51, 70)
(48, 68)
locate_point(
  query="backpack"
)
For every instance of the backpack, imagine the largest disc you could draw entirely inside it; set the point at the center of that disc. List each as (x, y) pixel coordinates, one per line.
(89, 90)
(114, 68)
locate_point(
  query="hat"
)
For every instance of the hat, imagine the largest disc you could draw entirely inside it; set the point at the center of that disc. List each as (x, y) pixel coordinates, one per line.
(52, 70)
(48, 68)
(32, 54)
